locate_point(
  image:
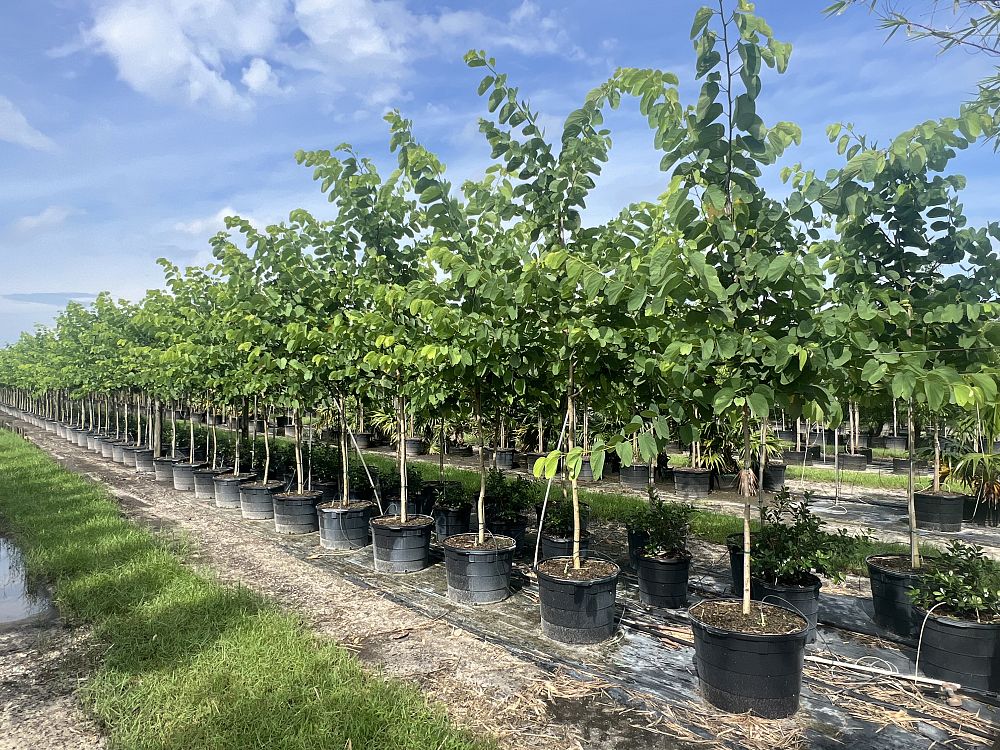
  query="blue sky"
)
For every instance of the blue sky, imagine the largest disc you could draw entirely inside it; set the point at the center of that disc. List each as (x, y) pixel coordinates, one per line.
(129, 128)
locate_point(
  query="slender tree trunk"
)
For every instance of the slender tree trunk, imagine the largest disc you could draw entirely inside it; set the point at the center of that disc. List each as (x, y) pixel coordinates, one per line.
(911, 480)
(239, 436)
(481, 503)
(158, 431)
(441, 456)
(297, 422)
(345, 490)
(173, 430)
(937, 455)
(267, 448)
(191, 435)
(403, 494)
(745, 486)
(570, 444)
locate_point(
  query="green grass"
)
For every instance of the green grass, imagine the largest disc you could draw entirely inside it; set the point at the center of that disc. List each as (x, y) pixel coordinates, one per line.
(186, 661)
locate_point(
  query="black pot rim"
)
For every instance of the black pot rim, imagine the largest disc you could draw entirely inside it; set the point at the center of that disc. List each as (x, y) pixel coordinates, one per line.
(428, 521)
(243, 477)
(186, 465)
(166, 460)
(472, 552)
(584, 536)
(306, 495)
(667, 560)
(870, 562)
(955, 622)
(270, 484)
(577, 583)
(334, 506)
(762, 637)
(949, 497)
(690, 470)
(214, 472)
(791, 587)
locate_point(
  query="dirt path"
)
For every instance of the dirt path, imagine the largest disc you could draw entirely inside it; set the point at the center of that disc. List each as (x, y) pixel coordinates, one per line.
(41, 668)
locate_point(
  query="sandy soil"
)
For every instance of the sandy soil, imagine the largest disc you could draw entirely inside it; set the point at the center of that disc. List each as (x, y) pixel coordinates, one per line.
(41, 668)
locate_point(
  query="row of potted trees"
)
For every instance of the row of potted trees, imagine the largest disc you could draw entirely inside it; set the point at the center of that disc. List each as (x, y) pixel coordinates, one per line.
(713, 302)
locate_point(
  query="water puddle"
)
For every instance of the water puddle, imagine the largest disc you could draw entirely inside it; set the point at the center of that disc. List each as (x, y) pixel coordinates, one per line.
(18, 602)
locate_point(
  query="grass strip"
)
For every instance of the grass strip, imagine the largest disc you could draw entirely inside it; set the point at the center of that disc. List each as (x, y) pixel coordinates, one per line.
(189, 662)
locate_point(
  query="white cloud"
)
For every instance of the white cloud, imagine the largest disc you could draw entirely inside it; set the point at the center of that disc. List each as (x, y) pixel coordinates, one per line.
(200, 51)
(206, 225)
(260, 78)
(15, 128)
(180, 49)
(52, 216)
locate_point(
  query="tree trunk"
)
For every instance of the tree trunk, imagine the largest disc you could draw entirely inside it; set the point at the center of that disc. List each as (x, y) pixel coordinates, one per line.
(911, 505)
(745, 486)
(345, 490)
(158, 430)
(481, 503)
(297, 422)
(403, 494)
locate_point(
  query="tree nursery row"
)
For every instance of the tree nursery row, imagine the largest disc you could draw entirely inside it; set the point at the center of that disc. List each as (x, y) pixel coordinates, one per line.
(858, 306)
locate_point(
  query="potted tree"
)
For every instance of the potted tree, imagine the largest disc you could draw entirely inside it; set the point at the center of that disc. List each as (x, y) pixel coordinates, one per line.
(981, 472)
(743, 332)
(664, 560)
(791, 551)
(958, 607)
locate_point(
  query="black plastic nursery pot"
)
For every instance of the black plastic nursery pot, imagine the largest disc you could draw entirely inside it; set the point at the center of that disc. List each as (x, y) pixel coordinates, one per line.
(343, 527)
(90, 441)
(636, 476)
(118, 452)
(478, 574)
(257, 500)
(562, 546)
(401, 547)
(801, 599)
(786, 436)
(329, 490)
(692, 483)
(363, 440)
(228, 489)
(734, 545)
(960, 651)
(295, 513)
(577, 606)
(902, 466)
(204, 481)
(460, 450)
(663, 581)
(81, 438)
(891, 581)
(504, 458)
(107, 448)
(516, 528)
(414, 506)
(637, 540)
(197, 417)
(979, 512)
(184, 475)
(99, 441)
(451, 521)
(898, 443)
(797, 458)
(740, 672)
(586, 470)
(163, 469)
(852, 462)
(415, 446)
(938, 511)
(725, 481)
(144, 460)
(774, 477)
(128, 455)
